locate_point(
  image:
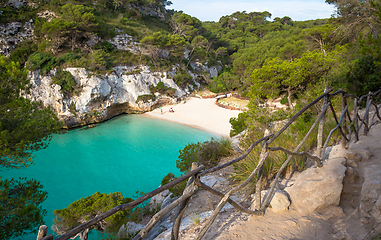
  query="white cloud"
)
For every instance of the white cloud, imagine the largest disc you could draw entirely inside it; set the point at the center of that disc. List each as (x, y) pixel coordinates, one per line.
(298, 10)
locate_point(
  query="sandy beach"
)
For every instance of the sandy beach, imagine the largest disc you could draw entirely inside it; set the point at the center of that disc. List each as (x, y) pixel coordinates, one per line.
(200, 113)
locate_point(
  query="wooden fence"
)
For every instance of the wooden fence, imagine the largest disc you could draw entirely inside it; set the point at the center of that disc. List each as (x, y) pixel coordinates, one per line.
(349, 125)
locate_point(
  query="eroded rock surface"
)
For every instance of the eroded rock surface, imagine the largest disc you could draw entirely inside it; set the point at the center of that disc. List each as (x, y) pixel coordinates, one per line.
(318, 188)
(14, 33)
(101, 96)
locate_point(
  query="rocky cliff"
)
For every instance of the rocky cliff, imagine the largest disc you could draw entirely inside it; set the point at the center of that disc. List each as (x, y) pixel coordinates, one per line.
(14, 33)
(102, 97)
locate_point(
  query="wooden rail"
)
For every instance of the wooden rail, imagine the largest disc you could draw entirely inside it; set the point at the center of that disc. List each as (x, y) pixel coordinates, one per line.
(349, 126)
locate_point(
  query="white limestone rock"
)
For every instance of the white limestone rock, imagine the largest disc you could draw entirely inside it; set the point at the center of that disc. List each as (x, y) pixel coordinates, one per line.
(199, 67)
(50, 94)
(49, 15)
(158, 199)
(128, 229)
(354, 152)
(371, 190)
(125, 42)
(279, 201)
(108, 95)
(187, 222)
(318, 188)
(212, 181)
(14, 33)
(93, 88)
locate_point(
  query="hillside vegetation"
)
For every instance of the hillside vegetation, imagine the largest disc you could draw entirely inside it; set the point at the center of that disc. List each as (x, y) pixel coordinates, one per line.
(260, 58)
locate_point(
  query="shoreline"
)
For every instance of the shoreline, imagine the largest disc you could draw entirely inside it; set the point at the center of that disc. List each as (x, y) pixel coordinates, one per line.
(199, 113)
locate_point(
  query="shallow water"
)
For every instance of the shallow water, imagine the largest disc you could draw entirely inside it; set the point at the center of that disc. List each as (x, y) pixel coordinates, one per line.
(126, 154)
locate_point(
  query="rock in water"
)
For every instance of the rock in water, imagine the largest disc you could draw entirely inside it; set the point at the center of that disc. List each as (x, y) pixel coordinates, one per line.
(318, 188)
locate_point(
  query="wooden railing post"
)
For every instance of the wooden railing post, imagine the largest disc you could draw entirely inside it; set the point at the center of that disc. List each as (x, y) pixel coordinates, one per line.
(355, 119)
(344, 128)
(182, 206)
(258, 188)
(321, 127)
(366, 115)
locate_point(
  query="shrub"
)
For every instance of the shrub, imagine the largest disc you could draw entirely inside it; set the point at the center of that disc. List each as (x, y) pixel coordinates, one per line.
(105, 46)
(160, 85)
(145, 98)
(68, 57)
(175, 190)
(238, 124)
(161, 88)
(39, 60)
(87, 208)
(97, 61)
(45, 62)
(170, 92)
(66, 81)
(182, 78)
(207, 153)
(22, 53)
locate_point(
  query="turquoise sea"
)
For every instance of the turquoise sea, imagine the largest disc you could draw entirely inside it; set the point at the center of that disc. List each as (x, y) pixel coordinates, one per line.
(126, 154)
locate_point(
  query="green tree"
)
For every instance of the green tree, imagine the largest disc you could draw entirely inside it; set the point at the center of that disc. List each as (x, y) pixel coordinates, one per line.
(198, 45)
(185, 26)
(293, 77)
(158, 41)
(207, 153)
(25, 127)
(20, 207)
(357, 16)
(57, 31)
(88, 208)
(80, 21)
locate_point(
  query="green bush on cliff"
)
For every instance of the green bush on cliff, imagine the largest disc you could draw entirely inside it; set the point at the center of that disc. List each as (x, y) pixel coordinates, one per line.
(46, 62)
(207, 153)
(175, 190)
(161, 88)
(89, 207)
(66, 81)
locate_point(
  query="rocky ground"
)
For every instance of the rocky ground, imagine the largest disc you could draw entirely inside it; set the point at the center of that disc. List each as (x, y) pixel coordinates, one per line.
(341, 200)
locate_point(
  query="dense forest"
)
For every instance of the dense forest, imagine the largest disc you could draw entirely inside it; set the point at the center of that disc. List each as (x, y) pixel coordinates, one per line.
(260, 57)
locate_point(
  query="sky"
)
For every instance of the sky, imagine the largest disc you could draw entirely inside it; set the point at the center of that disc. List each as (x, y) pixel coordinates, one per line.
(212, 10)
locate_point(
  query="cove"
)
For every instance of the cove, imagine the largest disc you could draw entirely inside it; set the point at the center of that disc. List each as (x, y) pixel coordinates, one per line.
(126, 154)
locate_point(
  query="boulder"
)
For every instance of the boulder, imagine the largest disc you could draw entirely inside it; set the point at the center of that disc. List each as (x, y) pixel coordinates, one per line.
(318, 188)
(354, 152)
(371, 190)
(157, 200)
(129, 229)
(279, 201)
(211, 180)
(168, 200)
